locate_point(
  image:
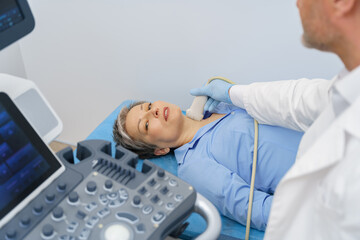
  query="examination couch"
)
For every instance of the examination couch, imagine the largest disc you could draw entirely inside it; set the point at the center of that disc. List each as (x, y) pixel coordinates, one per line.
(230, 229)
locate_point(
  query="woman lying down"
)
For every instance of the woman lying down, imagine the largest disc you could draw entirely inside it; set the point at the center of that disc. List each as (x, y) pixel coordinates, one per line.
(215, 154)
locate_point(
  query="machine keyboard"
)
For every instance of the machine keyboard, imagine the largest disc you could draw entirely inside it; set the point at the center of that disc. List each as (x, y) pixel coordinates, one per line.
(110, 202)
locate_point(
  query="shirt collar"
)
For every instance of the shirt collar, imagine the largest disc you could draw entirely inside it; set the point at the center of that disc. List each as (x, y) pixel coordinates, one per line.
(180, 152)
(348, 84)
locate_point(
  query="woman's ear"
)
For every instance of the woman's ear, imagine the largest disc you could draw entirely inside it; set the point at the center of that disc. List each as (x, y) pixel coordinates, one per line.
(161, 151)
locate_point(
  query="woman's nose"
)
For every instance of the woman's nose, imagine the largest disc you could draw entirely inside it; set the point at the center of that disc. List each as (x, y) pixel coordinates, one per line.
(155, 112)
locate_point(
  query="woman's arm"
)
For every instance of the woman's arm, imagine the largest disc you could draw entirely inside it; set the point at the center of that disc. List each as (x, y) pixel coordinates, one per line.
(227, 191)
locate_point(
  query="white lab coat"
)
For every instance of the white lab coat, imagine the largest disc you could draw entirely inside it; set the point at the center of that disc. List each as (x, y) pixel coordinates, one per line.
(319, 197)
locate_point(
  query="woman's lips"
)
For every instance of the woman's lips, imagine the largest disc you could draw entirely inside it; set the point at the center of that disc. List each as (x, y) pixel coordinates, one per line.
(166, 113)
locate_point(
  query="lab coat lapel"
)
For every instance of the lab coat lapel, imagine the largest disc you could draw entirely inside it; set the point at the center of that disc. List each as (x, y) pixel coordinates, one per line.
(351, 121)
(325, 151)
(330, 147)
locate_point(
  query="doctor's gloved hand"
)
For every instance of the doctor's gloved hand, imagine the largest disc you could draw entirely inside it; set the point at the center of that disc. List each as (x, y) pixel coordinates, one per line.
(216, 90)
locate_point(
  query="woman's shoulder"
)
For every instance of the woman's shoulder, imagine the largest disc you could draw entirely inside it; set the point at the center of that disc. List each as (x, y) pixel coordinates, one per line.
(191, 161)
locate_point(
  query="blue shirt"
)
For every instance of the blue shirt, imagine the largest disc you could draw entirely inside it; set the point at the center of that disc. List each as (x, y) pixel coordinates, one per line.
(218, 163)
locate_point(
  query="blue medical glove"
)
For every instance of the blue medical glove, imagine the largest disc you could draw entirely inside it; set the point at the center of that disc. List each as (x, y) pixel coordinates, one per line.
(210, 105)
(217, 90)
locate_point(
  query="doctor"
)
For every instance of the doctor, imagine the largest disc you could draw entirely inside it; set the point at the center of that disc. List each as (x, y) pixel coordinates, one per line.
(319, 197)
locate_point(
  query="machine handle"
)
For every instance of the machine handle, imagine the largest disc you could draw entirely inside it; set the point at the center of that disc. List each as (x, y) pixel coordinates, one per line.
(208, 211)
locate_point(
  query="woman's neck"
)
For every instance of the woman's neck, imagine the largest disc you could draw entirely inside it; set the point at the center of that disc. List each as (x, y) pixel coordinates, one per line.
(191, 127)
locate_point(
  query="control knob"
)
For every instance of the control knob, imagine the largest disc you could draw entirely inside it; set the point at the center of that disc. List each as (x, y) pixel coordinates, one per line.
(91, 187)
(136, 200)
(73, 197)
(61, 186)
(50, 197)
(108, 184)
(48, 230)
(38, 208)
(58, 212)
(11, 233)
(25, 221)
(161, 173)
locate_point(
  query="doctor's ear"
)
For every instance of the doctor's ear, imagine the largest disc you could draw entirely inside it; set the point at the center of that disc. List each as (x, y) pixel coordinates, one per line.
(343, 7)
(161, 151)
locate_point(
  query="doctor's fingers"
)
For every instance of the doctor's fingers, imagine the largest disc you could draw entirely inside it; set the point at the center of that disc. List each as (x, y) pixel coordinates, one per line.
(213, 105)
(210, 105)
(203, 91)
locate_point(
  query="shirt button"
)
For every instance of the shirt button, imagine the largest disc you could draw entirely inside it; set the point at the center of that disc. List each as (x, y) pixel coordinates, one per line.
(232, 113)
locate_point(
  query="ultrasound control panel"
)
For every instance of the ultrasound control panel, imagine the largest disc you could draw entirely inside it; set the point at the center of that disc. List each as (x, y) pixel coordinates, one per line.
(105, 197)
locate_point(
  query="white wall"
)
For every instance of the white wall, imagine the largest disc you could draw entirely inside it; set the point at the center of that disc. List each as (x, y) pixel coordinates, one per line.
(11, 61)
(87, 56)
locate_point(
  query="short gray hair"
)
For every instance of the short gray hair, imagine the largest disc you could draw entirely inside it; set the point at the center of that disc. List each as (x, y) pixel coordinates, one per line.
(121, 137)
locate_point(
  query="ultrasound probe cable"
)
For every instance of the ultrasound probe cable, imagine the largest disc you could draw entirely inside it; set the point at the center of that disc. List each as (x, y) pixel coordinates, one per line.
(196, 112)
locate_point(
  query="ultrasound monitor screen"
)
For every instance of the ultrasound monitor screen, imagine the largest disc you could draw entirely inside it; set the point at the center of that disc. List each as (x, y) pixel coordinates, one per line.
(25, 161)
(16, 21)
(10, 14)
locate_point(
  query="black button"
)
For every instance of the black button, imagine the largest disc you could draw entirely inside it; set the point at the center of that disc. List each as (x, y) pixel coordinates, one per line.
(48, 230)
(58, 212)
(164, 190)
(25, 221)
(140, 228)
(108, 184)
(152, 182)
(161, 173)
(38, 208)
(80, 215)
(50, 197)
(155, 199)
(142, 190)
(73, 197)
(136, 200)
(61, 186)
(11, 233)
(91, 186)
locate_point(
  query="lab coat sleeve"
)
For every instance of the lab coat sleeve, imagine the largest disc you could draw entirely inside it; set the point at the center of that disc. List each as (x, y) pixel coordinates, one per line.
(228, 192)
(293, 104)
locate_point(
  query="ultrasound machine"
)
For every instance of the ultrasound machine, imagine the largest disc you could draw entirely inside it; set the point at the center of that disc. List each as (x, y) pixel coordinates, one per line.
(103, 197)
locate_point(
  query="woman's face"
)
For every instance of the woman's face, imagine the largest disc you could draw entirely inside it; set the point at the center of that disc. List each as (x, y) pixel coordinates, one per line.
(159, 123)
